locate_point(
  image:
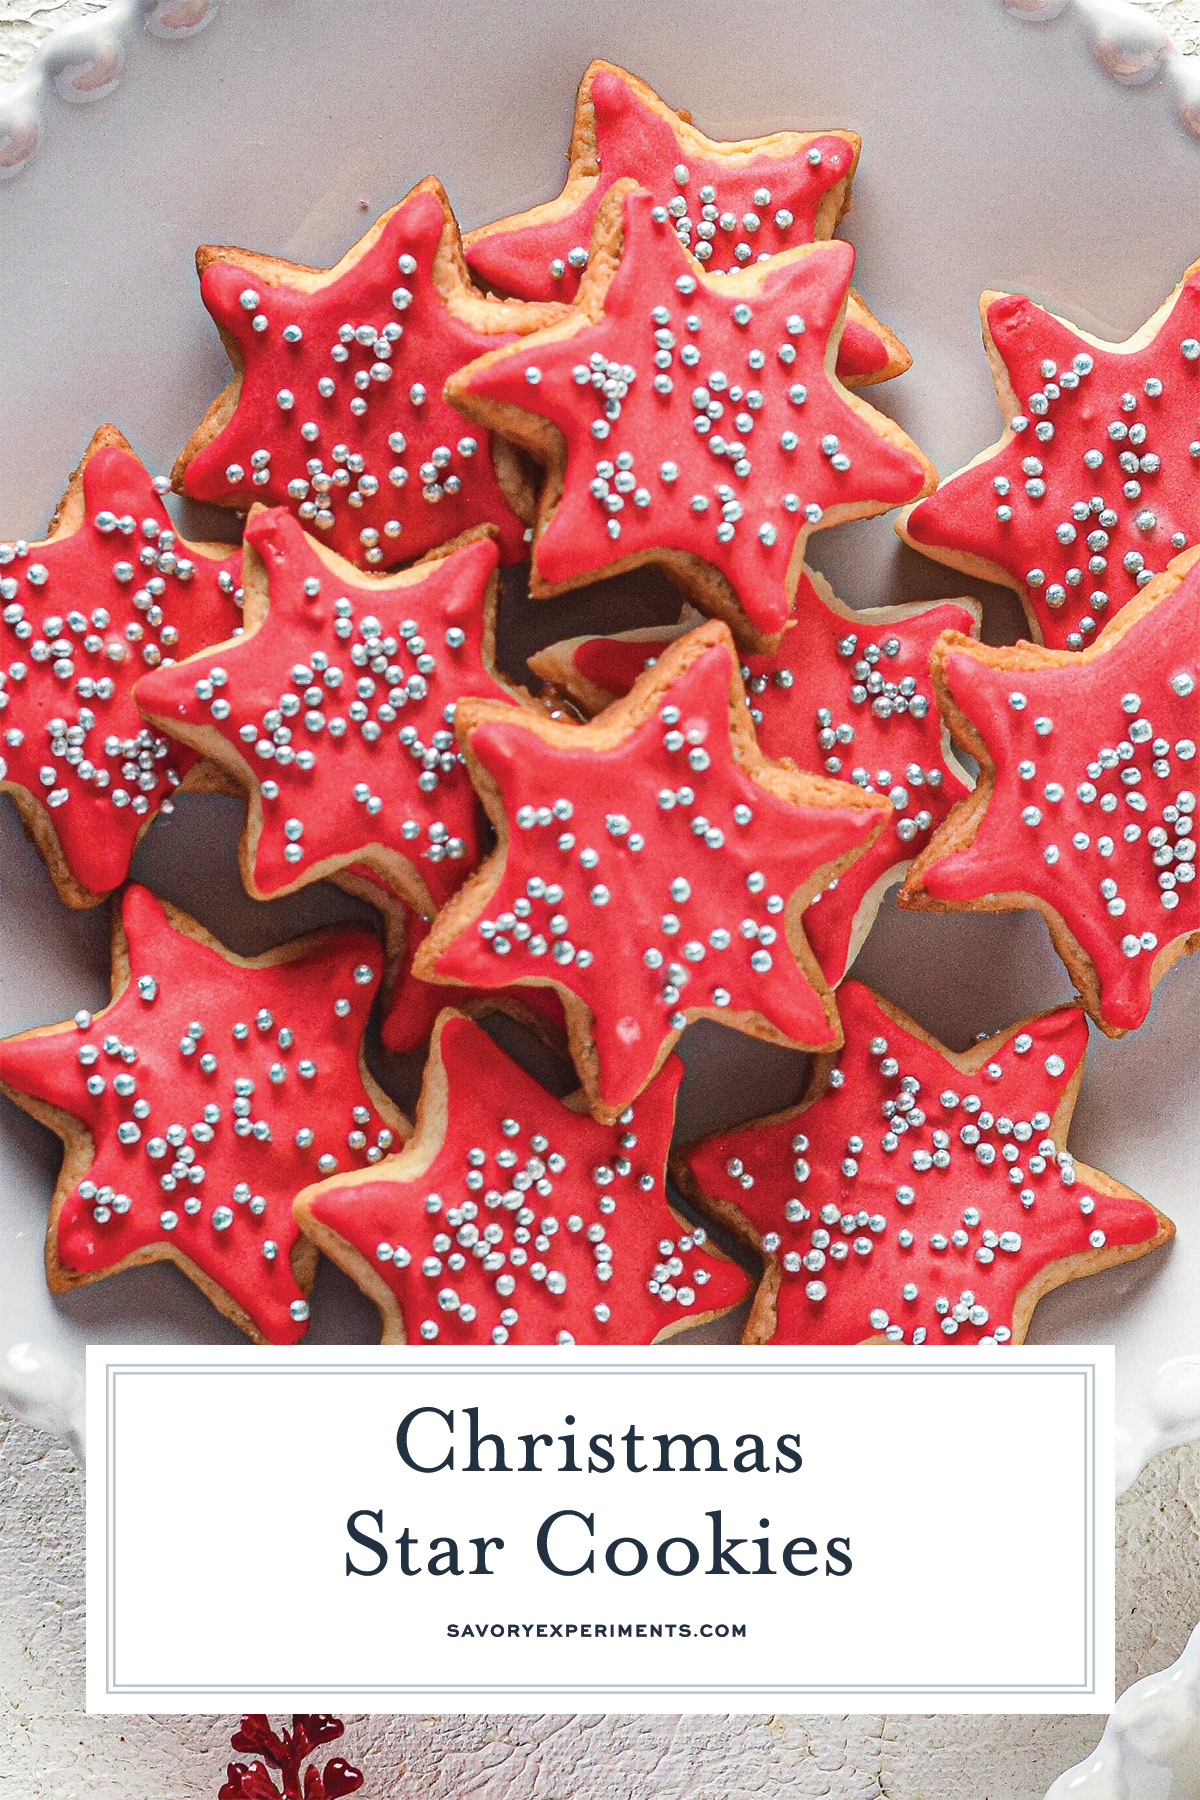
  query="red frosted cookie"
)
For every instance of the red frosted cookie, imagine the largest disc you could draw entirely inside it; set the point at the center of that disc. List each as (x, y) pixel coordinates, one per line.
(112, 591)
(1095, 482)
(413, 1005)
(690, 420)
(1086, 801)
(918, 1195)
(653, 866)
(750, 200)
(335, 711)
(513, 1217)
(847, 694)
(335, 409)
(194, 1107)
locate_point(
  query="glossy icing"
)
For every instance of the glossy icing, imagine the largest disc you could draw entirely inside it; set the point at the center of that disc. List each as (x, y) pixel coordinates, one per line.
(414, 1005)
(109, 595)
(340, 414)
(650, 877)
(766, 201)
(212, 1092)
(1091, 811)
(649, 467)
(561, 1228)
(1095, 484)
(339, 704)
(845, 696)
(910, 1199)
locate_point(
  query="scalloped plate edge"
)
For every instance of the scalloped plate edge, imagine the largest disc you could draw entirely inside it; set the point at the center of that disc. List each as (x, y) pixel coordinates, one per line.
(83, 60)
(1129, 45)
(1151, 1740)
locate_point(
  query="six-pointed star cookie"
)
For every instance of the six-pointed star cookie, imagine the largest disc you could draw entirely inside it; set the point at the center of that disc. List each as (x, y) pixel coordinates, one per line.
(750, 200)
(1095, 482)
(513, 1217)
(335, 709)
(653, 866)
(920, 1195)
(1086, 801)
(111, 592)
(336, 406)
(199, 1102)
(692, 420)
(847, 694)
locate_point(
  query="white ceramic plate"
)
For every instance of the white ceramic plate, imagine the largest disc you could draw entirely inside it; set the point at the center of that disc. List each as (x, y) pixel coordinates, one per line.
(996, 154)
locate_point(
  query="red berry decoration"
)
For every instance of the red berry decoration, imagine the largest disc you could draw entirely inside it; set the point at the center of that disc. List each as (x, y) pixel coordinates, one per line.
(286, 1752)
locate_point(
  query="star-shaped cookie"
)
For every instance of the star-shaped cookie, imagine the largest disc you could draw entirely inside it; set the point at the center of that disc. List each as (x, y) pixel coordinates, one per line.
(1095, 482)
(691, 420)
(918, 1195)
(112, 591)
(335, 711)
(653, 866)
(1086, 802)
(847, 694)
(513, 1217)
(196, 1105)
(750, 200)
(335, 408)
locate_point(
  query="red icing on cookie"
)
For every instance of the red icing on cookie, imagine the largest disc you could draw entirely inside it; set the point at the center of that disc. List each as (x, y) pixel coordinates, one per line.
(846, 696)
(84, 614)
(213, 1092)
(614, 663)
(700, 419)
(651, 879)
(861, 352)
(415, 1004)
(1093, 808)
(1096, 482)
(341, 706)
(733, 214)
(532, 1224)
(913, 1200)
(340, 415)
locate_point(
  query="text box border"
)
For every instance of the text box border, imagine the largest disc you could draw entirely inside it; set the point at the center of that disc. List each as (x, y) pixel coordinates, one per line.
(579, 1365)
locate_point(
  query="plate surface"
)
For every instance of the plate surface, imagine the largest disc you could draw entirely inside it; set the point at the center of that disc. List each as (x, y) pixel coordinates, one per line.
(995, 155)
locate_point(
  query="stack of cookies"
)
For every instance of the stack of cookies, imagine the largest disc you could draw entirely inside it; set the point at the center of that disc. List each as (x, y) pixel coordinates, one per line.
(696, 820)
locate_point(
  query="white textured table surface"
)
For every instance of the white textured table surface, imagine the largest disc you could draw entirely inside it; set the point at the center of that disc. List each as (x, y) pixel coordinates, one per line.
(50, 1751)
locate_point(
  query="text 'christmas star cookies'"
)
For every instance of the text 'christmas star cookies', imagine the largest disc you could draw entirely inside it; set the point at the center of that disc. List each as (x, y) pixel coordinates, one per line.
(199, 1102)
(847, 694)
(653, 866)
(1095, 482)
(692, 421)
(335, 711)
(336, 405)
(917, 1195)
(513, 1217)
(730, 204)
(1086, 801)
(111, 592)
